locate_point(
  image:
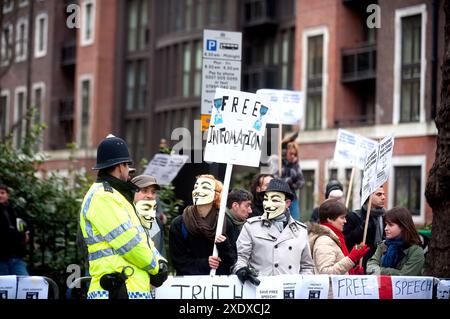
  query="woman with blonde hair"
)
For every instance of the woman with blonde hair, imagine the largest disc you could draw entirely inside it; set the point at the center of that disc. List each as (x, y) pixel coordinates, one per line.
(192, 235)
(400, 254)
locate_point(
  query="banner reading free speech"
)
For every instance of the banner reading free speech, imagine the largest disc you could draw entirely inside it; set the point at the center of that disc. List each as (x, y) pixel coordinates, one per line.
(236, 129)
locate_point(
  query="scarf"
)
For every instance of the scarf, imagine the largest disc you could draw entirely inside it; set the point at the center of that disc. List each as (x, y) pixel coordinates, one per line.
(233, 218)
(281, 221)
(340, 236)
(127, 189)
(394, 252)
(376, 217)
(202, 226)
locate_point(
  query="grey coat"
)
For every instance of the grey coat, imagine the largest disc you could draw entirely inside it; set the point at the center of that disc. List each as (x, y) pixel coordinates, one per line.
(260, 245)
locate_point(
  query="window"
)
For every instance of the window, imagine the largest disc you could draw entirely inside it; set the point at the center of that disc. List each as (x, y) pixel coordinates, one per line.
(136, 85)
(138, 25)
(188, 15)
(287, 53)
(41, 35)
(307, 195)
(4, 100)
(314, 83)
(186, 69)
(85, 108)
(409, 64)
(38, 104)
(410, 74)
(199, 14)
(23, 3)
(87, 22)
(6, 50)
(332, 174)
(19, 116)
(408, 177)
(407, 188)
(198, 68)
(21, 40)
(135, 137)
(8, 6)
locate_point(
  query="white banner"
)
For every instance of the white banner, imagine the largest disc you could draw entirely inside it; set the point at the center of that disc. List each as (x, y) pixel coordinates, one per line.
(294, 287)
(32, 287)
(412, 287)
(165, 167)
(8, 286)
(237, 126)
(377, 167)
(355, 287)
(285, 105)
(352, 149)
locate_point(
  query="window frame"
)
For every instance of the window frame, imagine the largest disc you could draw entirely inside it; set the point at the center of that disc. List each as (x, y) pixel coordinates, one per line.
(399, 15)
(81, 79)
(308, 33)
(37, 52)
(402, 161)
(19, 89)
(6, 93)
(20, 22)
(84, 39)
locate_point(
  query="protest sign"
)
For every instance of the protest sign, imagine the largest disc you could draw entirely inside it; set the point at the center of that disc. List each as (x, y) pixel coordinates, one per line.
(313, 287)
(32, 287)
(377, 167)
(8, 286)
(404, 287)
(352, 149)
(355, 287)
(165, 167)
(285, 105)
(236, 129)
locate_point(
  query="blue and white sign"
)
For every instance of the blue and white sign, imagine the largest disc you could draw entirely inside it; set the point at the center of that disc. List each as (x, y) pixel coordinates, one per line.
(236, 129)
(285, 105)
(222, 55)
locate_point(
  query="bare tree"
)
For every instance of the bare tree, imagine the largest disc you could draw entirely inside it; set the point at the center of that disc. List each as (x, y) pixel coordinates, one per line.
(438, 185)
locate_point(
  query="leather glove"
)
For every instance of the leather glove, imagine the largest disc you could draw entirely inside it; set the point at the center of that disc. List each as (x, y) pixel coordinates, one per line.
(357, 253)
(357, 270)
(246, 273)
(158, 279)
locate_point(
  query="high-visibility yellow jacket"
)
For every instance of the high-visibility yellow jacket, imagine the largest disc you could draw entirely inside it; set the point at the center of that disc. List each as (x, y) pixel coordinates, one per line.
(115, 239)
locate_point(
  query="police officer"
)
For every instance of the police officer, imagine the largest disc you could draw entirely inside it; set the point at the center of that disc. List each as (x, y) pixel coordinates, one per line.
(122, 262)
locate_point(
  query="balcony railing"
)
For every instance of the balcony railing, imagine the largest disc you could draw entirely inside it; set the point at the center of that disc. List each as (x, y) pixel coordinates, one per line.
(260, 13)
(359, 64)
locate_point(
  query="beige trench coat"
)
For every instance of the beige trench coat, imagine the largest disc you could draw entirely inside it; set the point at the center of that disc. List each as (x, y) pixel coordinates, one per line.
(261, 245)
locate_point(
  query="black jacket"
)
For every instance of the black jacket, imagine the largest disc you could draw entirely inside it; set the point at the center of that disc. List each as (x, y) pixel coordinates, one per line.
(190, 254)
(12, 241)
(354, 231)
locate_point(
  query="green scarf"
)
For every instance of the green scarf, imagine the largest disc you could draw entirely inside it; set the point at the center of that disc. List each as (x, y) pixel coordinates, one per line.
(233, 218)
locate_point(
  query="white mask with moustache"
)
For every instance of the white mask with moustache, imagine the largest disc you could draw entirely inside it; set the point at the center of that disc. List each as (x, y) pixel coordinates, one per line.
(274, 204)
(204, 191)
(147, 212)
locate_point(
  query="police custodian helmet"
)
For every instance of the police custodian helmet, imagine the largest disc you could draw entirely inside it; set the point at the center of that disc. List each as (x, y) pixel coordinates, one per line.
(112, 151)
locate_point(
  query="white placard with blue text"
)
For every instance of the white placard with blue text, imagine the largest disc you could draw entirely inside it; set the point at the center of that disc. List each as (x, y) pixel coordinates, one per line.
(352, 149)
(355, 287)
(285, 105)
(236, 129)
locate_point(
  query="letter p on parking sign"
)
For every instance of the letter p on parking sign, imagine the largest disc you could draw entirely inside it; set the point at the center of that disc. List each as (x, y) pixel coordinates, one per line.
(211, 45)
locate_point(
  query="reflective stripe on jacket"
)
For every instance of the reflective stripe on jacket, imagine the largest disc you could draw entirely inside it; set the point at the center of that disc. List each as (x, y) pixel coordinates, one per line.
(115, 239)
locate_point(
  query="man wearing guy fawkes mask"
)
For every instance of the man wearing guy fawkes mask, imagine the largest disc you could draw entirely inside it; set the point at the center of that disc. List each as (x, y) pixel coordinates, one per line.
(193, 234)
(274, 243)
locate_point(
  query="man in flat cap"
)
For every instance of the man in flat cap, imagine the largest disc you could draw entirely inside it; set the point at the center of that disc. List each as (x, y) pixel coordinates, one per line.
(149, 209)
